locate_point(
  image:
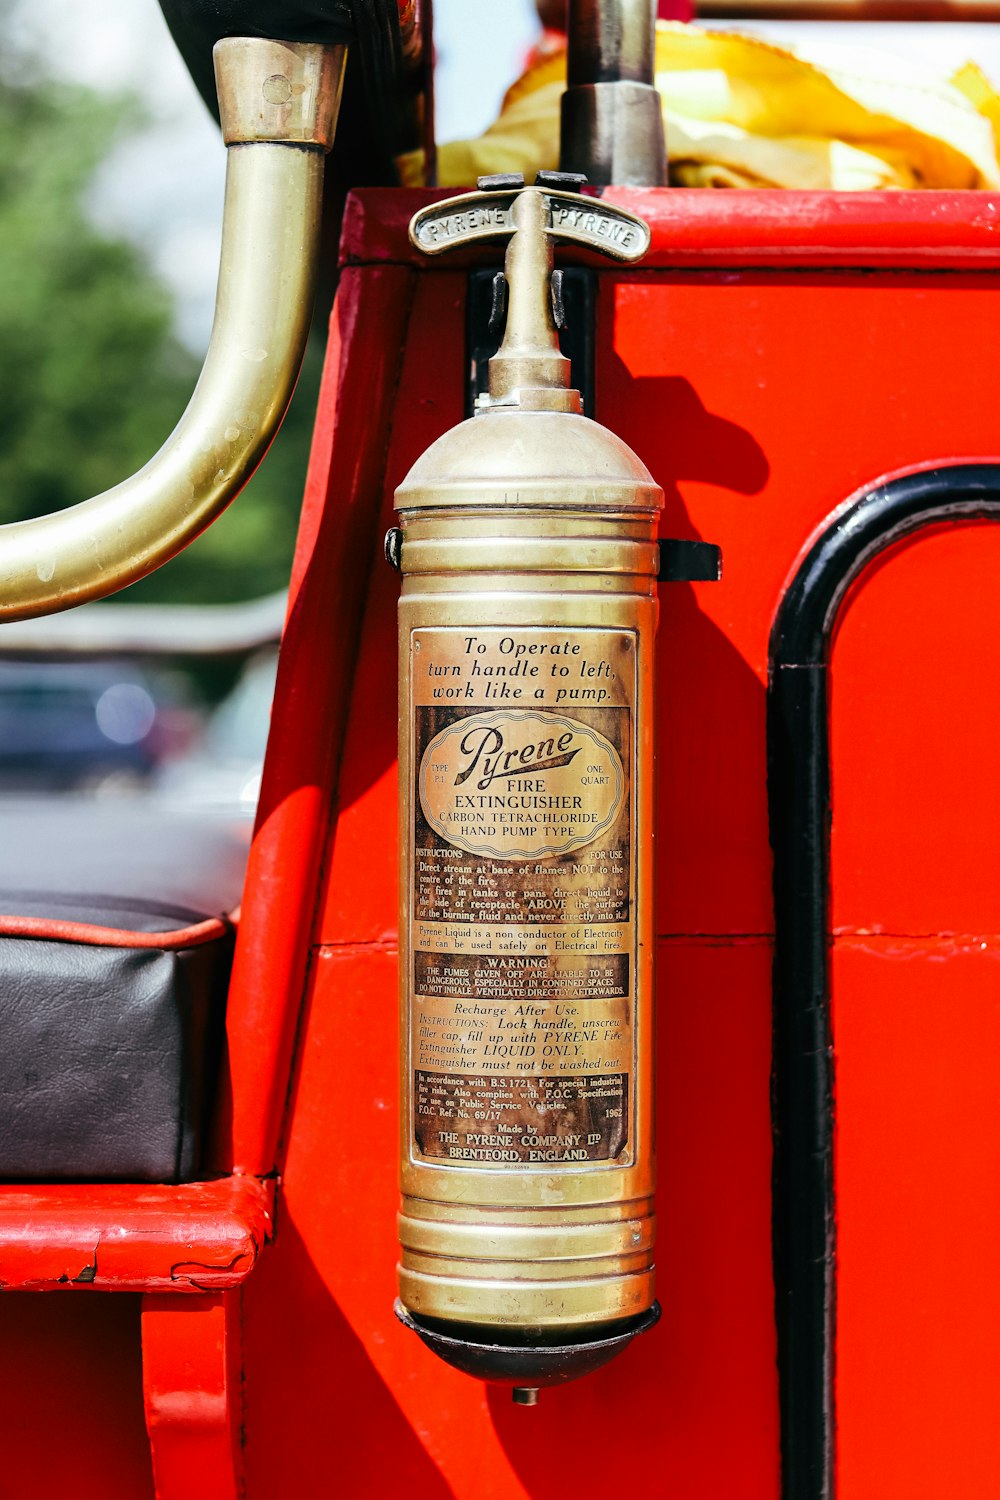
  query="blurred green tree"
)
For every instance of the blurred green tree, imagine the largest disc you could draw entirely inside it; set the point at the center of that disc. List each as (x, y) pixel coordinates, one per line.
(92, 378)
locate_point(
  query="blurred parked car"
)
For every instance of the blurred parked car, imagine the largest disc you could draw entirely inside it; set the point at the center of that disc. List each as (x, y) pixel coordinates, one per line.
(70, 726)
(221, 773)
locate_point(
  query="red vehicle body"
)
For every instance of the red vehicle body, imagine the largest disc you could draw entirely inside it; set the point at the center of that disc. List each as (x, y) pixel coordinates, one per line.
(776, 357)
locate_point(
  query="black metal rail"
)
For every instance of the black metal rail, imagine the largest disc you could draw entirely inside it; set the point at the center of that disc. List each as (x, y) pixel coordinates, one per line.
(804, 1190)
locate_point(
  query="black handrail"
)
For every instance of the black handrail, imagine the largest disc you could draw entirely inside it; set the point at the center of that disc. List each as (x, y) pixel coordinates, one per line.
(799, 804)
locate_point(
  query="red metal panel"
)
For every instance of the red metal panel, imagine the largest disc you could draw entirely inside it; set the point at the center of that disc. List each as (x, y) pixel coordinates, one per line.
(917, 1037)
(760, 403)
(98, 1236)
(71, 1397)
(916, 1022)
(917, 795)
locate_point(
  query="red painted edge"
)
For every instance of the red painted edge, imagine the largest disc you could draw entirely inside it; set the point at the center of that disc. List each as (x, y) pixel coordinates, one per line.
(195, 1237)
(315, 674)
(192, 1387)
(51, 930)
(708, 228)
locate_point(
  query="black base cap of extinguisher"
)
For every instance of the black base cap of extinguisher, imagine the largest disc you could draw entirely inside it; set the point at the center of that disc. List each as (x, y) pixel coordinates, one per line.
(525, 1364)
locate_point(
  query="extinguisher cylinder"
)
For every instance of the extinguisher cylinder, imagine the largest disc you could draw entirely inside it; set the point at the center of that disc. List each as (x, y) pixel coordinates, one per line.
(526, 636)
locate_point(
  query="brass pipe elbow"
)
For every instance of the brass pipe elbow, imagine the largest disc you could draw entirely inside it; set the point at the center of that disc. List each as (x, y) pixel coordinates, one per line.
(279, 105)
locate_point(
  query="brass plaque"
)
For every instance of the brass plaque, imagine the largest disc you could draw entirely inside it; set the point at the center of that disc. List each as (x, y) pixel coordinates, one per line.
(510, 784)
(522, 898)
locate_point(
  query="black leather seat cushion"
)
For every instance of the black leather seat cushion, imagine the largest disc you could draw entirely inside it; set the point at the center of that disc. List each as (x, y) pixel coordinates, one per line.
(109, 1054)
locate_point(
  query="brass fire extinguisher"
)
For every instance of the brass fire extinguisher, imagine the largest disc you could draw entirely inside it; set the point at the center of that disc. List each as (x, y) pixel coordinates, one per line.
(527, 544)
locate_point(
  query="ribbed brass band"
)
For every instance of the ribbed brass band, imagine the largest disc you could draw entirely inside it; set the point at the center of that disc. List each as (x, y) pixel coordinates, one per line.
(517, 1241)
(576, 1267)
(430, 1209)
(570, 1304)
(478, 555)
(523, 524)
(573, 587)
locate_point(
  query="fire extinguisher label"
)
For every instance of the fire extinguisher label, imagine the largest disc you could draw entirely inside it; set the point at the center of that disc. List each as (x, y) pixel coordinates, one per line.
(522, 900)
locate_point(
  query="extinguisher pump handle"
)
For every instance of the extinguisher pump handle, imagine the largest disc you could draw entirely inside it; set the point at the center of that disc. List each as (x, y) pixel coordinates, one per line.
(571, 217)
(528, 369)
(279, 103)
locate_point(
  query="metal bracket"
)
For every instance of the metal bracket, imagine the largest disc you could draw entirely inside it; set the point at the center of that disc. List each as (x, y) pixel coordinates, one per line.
(393, 548)
(689, 562)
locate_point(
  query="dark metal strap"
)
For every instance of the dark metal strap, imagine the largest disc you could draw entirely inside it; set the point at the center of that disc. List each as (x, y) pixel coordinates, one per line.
(689, 562)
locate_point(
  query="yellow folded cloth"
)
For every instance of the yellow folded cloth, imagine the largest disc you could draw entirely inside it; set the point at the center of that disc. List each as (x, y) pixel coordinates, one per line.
(742, 112)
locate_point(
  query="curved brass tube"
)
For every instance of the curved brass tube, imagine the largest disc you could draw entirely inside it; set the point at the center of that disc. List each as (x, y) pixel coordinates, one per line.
(279, 103)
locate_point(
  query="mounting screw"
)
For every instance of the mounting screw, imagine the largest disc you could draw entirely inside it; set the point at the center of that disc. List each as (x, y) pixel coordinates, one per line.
(525, 1395)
